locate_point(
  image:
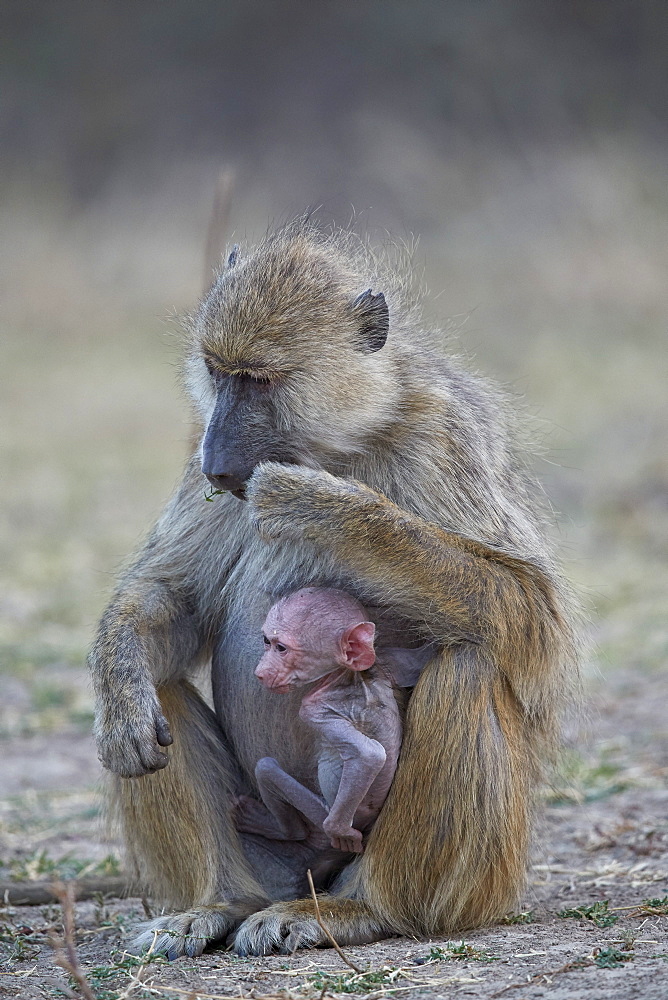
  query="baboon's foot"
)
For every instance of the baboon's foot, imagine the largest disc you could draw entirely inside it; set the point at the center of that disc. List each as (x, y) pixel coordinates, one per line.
(189, 933)
(284, 927)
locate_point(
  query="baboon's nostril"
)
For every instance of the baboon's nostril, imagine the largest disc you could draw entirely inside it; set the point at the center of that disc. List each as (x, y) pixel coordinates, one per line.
(231, 484)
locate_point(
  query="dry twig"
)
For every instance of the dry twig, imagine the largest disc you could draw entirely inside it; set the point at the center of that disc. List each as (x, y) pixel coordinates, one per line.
(577, 963)
(39, 893)
(65, 949)
(323, 926)
(218, 223)
(137, 978)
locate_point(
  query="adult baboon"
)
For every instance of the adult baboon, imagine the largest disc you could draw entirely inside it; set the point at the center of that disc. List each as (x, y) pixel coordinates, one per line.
(352, 455)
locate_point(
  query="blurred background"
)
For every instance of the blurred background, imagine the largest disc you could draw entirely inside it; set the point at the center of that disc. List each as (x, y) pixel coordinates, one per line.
(524, 143)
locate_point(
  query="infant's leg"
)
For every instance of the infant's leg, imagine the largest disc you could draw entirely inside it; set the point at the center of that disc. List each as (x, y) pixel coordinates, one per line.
(288, 801)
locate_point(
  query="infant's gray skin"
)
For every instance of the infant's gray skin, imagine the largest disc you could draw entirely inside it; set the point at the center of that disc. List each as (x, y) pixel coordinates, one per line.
(319, 634)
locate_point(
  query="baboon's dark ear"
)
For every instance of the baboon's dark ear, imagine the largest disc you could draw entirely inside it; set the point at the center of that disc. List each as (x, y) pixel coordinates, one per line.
(373, 318)
(234, 254)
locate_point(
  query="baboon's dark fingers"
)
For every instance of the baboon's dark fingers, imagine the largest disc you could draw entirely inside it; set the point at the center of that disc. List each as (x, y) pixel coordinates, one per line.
(131, 754)
(162, 731)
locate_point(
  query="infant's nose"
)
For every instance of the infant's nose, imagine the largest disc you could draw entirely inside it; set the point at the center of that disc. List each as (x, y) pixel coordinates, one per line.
(264, 674)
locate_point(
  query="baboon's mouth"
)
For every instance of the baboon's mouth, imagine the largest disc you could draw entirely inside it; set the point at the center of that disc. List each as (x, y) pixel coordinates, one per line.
(239, 494)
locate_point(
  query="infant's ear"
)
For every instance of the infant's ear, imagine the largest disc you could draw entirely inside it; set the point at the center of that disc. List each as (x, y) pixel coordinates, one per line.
(357, 645)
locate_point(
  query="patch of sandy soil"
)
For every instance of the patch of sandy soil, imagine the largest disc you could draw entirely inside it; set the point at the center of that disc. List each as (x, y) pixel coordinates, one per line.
(606, 842)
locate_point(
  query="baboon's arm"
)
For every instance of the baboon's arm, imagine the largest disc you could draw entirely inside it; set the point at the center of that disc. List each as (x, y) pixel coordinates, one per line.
(146, 637)
(155, 626)
(463, 590)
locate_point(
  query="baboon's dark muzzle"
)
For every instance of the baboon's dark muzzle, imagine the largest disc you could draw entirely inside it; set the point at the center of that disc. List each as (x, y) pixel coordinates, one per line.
(228, 459)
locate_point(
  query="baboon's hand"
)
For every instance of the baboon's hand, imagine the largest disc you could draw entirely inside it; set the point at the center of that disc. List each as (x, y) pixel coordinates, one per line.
(295, 501)
(128, 733)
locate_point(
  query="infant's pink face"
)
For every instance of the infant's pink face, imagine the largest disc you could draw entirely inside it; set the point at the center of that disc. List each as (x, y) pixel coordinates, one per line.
(284, 666)
(312, 633)
(294, 655)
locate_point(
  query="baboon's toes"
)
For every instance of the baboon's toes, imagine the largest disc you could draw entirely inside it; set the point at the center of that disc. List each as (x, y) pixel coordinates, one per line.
(277, 929)
(188, 933)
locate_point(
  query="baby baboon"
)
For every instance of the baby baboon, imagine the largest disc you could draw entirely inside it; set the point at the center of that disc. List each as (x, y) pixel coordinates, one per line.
(319, 634)
(354, 455)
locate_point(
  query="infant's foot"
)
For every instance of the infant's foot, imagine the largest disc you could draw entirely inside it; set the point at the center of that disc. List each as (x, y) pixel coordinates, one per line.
(348, 839)
(251, 816)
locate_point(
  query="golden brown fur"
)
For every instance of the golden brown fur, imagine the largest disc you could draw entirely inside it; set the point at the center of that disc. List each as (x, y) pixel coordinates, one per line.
(392, 474)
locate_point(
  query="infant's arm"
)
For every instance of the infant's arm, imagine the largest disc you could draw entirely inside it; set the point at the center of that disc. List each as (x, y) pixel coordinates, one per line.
(362, 760)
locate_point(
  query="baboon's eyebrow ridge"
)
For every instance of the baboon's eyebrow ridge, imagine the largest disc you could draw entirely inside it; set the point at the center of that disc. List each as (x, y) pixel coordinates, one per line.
(261, 372)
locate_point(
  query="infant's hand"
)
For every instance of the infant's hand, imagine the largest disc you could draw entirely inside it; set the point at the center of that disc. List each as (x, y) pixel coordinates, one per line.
(343, 839)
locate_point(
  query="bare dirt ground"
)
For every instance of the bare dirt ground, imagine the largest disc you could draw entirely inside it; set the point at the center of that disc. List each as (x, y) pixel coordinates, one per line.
(602, 842)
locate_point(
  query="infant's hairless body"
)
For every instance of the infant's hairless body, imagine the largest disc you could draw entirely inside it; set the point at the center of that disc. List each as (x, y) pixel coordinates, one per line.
(319, 634)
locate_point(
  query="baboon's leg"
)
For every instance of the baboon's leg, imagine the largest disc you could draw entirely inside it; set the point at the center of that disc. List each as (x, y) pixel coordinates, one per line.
(178, 827)
(461, 799)
(449, 848)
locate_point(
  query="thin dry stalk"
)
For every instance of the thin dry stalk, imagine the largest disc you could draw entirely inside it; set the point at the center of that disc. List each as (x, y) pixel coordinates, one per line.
(325, 929)
(218, 224)
(137, 978)
(65, 949)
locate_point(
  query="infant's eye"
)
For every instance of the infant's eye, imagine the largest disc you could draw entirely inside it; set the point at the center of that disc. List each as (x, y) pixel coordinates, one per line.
(266, 641)
(281, 648)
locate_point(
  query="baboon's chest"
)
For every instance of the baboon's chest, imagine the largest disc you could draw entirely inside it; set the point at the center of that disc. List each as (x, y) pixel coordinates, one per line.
(259, 722)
